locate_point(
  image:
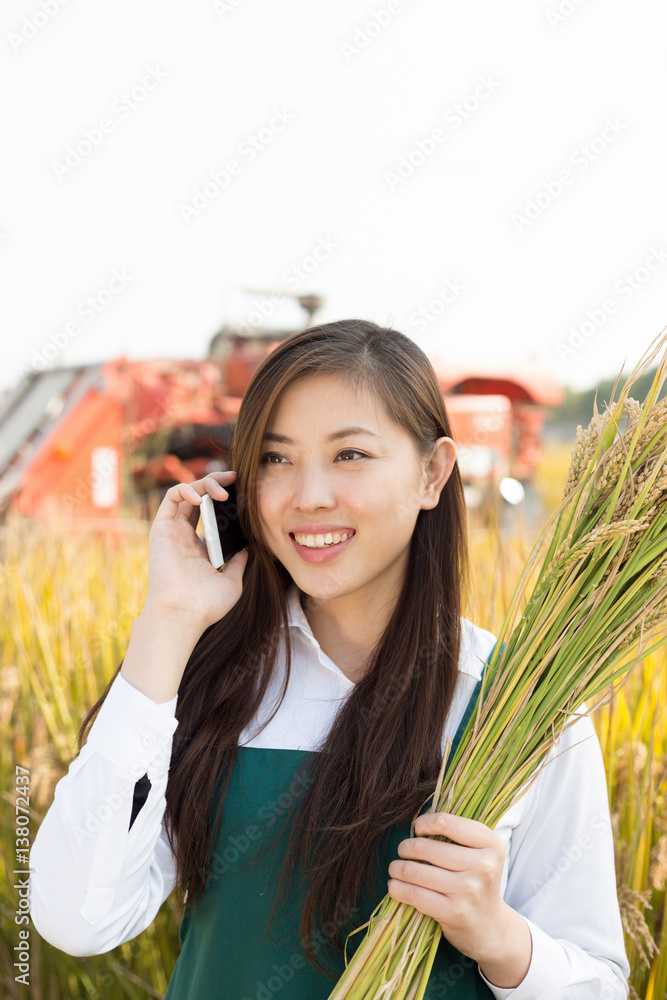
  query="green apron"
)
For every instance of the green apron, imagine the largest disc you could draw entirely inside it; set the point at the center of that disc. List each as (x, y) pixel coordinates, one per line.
(225, 951)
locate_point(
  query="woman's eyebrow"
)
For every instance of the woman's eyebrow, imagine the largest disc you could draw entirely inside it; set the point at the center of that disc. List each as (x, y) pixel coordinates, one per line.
(343, 432)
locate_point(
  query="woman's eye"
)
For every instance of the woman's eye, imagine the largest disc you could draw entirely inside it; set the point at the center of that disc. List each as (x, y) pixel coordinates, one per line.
(350, 451)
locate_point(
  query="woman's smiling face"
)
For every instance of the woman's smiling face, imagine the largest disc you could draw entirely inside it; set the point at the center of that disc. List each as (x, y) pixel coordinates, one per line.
(368, 482)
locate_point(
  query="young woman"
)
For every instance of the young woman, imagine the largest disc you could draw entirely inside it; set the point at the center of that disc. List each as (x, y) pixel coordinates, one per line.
(273, 728)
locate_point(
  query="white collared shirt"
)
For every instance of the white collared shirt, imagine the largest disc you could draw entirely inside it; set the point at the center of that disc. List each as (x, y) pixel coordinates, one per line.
(95, 884)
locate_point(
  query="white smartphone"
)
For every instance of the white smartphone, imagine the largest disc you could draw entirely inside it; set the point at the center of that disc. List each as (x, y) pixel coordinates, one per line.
(210, 532)
(221, 529)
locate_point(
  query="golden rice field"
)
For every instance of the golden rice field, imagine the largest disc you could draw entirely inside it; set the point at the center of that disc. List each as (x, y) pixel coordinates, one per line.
(67, 602)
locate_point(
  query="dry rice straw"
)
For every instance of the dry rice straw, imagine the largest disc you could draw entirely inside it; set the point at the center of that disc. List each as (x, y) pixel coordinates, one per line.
(600, 589)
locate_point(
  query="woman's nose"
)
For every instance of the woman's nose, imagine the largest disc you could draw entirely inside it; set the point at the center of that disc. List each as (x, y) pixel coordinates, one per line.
(312, 489)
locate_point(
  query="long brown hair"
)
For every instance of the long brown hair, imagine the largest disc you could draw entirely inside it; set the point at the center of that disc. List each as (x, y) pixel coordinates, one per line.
(391, 724)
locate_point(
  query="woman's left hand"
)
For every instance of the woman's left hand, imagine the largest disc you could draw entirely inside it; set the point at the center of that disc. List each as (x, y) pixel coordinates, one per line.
(458, 884)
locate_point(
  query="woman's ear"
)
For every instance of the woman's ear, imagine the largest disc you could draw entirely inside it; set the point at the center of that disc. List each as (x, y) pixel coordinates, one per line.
(438, 471)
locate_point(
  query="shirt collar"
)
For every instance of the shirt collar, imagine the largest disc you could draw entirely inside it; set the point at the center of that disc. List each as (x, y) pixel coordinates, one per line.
(297, 619)
(475, 641)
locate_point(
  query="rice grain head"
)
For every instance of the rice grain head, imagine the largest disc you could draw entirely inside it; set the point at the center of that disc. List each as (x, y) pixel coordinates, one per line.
(658, 867)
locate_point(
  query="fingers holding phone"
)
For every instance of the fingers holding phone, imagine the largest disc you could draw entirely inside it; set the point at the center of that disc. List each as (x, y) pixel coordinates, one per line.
(181, 575)
(179, 499)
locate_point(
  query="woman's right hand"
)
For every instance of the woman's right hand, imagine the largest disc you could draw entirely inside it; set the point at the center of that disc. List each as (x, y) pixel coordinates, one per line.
(181, 580)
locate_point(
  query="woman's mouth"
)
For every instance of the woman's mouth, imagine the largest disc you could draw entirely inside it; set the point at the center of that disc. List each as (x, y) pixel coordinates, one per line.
(325, 547)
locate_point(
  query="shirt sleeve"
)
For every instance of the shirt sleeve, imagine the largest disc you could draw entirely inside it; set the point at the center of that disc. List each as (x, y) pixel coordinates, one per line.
(562, 879)
(96, 881)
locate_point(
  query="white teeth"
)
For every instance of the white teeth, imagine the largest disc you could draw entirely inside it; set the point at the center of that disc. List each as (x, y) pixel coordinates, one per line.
(320, 541)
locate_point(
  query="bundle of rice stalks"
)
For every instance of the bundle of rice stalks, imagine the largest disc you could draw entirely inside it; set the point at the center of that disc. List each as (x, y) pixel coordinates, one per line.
(600, 590)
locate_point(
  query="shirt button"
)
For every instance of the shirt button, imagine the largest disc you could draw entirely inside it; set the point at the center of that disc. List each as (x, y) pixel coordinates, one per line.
(148, 739)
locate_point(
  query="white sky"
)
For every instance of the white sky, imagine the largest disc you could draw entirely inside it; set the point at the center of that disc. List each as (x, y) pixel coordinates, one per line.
(227, 67)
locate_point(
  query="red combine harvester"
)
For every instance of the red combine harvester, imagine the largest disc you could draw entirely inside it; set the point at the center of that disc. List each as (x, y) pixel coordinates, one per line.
(75, 442)
(497, 414)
